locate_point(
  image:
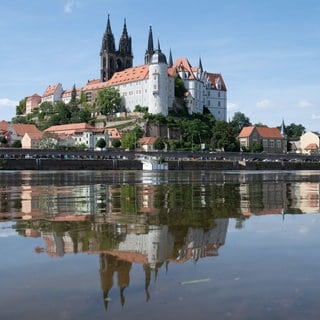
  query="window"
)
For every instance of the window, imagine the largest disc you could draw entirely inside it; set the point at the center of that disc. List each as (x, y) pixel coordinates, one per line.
(279, 144)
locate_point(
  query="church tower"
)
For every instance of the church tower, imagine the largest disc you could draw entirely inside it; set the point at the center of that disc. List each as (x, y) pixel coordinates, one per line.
(112, 60)
(150, 51)
(124, 57)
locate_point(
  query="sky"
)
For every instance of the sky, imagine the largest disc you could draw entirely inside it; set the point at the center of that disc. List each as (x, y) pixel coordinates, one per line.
(268, 51)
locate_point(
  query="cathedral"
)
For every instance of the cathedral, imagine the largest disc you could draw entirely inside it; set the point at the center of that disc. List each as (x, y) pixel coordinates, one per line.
(152, 84)
(113, 60)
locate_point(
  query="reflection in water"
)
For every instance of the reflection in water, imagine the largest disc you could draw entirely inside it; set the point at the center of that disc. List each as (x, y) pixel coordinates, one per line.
(151, 219)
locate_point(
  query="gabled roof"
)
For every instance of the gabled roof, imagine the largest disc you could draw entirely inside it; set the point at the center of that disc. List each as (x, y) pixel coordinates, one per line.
(21, 129)
(51, 89)
(34, 135)
(183, 65)
(264, 132)
(215, 78)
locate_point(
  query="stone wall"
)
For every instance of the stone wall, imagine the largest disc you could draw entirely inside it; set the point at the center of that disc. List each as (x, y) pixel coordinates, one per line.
(121, 164)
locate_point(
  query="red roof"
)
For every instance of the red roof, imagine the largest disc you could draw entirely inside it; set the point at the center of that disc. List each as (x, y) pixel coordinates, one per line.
(51, 90)
(21, 129)
(147, 140)
(311, 146)
(215, 78)
(70, 128)
(264, 132)
(128, 75)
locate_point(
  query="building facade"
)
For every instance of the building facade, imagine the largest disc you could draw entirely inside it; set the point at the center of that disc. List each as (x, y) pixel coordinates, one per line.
(270, 139)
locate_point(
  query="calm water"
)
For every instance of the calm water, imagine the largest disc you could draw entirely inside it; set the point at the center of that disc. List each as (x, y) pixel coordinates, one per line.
(159, 245)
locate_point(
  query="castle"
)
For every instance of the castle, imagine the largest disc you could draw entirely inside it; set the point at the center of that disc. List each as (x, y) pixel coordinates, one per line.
(149, 85)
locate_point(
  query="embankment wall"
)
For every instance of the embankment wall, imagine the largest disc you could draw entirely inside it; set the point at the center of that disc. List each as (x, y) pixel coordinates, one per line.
(121, 164)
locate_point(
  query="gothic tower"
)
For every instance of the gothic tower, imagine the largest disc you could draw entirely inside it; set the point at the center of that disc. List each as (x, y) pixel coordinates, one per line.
(150, 50)
(112, 60)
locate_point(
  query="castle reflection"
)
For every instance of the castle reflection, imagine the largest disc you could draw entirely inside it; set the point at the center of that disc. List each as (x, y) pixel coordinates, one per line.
(127, 220)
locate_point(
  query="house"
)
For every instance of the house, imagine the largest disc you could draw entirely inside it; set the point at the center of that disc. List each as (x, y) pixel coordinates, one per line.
(52, 93)
(32, 102)
(80, 133)
(310, 142)
(16, 131)
(31, 140)
(271, 139)
(146, 143)
(67, 95)
(114, 134)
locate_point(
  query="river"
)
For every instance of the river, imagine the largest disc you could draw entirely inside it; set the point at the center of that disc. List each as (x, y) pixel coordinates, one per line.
(159, 244)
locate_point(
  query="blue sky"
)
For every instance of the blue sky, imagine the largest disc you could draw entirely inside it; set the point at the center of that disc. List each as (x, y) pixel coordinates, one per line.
(268, 51)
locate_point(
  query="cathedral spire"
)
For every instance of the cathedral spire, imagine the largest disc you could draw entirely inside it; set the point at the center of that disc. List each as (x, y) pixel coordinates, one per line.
(108, 43)
(170, 59)
(150, 49)
(125, 47)
(200, 65)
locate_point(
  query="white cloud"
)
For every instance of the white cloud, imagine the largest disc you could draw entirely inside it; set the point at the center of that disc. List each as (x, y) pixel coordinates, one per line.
(7, 108)
(304, 104)
(315, 116)
(68, 7)
(264, 104)
(5, 102)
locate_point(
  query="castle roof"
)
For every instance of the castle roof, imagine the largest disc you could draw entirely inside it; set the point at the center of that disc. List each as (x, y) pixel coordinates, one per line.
(215, 78)
(129, 75)
(183, 65)
(50, 90)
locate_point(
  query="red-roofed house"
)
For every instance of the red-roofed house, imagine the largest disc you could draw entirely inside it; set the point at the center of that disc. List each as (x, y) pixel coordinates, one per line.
(15, 131)
(81, 133)
(32, 102)
(67, 94)
(31, 140)
(271, 139)
(114, 134)
(52, 93)
(310, 142)
(146, 143)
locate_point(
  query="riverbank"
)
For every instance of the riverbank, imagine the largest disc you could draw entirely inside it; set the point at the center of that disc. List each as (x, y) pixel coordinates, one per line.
(126, 164)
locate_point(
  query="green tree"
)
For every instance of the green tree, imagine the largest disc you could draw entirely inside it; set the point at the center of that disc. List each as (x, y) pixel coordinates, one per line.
(239, 121)
(16, 144)
(3, 141)
(257, 147)
(116, 143)
(294, 131)
(108, 101)
(73, 100)
(49, 141)
(129, 140)
(101, 143)
(21, 108)
(159, 144)
(179, 88)
(224, 137)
